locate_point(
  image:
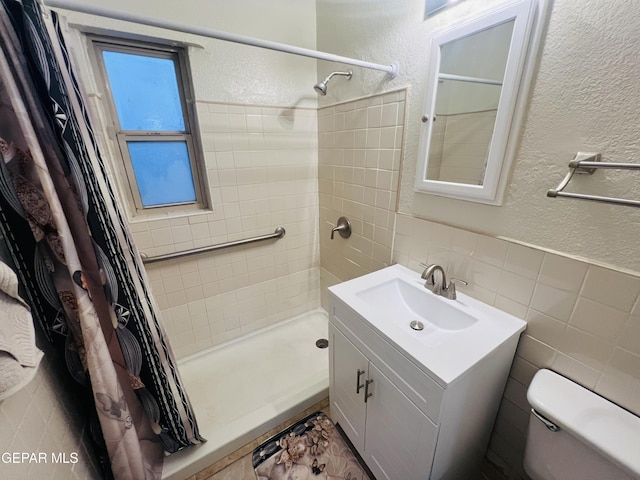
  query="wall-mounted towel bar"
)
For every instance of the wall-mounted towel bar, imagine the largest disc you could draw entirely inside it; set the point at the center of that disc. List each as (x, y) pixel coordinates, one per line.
(279, 233)
(587, 163)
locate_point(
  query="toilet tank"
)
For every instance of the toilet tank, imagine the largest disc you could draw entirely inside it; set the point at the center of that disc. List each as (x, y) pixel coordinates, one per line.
(595, 439)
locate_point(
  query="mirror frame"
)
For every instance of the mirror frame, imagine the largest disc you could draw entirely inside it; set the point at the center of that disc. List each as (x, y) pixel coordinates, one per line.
(509, 116)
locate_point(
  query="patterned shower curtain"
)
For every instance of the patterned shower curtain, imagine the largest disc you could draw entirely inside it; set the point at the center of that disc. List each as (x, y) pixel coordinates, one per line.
(75, 259)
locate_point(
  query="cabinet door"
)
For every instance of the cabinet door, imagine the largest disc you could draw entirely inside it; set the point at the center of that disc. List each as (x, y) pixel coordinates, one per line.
(347, 400)
(400, 440)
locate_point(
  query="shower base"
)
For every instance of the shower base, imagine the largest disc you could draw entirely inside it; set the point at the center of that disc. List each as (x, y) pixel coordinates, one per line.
(242, 389)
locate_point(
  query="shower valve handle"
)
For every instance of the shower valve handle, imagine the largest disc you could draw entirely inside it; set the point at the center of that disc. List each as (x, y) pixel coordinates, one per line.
(343, 227)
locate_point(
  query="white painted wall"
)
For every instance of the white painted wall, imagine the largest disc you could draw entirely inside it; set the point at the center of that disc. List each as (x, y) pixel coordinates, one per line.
(585, 98)
(224, 71)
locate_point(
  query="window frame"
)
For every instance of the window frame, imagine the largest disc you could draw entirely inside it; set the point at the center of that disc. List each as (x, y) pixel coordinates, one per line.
(120, 137)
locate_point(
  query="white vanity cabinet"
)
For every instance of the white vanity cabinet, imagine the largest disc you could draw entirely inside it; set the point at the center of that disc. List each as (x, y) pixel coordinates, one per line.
(368, 406)
(405, 423)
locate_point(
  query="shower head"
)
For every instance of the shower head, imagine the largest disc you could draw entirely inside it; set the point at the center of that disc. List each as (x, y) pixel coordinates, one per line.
(321, 87)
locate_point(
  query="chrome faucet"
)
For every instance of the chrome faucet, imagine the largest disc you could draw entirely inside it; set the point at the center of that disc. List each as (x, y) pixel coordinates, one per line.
(434, 282)
(438, 283)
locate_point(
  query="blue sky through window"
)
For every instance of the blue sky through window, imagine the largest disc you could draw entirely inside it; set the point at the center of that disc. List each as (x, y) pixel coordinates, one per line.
(145, 91)
(163, 172)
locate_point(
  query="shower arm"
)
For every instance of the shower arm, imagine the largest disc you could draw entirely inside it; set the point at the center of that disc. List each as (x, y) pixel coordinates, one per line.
(77, 6)
(331, 75)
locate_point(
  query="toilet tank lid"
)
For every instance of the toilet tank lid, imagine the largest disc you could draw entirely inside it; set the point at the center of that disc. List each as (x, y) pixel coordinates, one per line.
(596, 421)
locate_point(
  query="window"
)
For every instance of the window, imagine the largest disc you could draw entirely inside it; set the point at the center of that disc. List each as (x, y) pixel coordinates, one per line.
(149, 101)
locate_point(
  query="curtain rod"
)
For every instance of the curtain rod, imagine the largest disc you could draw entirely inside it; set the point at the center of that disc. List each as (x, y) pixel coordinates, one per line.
(78, 6)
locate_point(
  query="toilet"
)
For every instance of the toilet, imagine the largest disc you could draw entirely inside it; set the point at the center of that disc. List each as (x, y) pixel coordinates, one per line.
(576, 434)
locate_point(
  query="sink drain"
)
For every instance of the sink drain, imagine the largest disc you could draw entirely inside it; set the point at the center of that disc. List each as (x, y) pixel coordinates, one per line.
(322, 343)
(417, 325)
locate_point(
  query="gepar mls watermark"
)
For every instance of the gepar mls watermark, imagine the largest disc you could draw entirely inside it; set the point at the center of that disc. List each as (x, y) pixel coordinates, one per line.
(39, 457)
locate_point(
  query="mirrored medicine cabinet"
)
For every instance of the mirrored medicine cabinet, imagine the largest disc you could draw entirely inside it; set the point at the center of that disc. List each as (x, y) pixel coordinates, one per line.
(478, 77)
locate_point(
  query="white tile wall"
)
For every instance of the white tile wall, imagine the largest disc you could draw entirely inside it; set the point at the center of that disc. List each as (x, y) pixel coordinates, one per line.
(261, 167)
(360, 146)
(583, 319)
(38, 419)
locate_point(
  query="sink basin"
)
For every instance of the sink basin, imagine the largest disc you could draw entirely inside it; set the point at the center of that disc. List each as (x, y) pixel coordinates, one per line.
(456, 334)
(405, 302)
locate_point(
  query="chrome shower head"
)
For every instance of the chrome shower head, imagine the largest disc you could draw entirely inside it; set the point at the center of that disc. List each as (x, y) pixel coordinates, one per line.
(321, 87)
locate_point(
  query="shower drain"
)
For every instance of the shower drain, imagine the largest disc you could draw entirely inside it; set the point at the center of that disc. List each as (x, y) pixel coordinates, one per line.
(322, 343)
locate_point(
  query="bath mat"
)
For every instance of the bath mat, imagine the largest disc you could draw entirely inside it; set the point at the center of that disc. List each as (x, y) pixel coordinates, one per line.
(311, 449)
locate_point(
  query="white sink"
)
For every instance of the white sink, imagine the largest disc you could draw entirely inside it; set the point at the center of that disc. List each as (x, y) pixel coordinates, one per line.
(405, 302)
(456, 334)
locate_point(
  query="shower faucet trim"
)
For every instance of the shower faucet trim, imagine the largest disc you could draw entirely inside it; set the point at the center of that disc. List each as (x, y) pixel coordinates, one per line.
(343, 227)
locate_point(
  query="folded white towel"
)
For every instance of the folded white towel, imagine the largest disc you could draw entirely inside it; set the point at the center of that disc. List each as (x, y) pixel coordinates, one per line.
(19, 355)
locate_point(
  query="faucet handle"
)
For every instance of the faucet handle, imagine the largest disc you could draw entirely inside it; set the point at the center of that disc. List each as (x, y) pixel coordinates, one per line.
(450, 291)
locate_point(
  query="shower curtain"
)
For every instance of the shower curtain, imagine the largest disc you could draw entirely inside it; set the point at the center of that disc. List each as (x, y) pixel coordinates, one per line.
(75, 259)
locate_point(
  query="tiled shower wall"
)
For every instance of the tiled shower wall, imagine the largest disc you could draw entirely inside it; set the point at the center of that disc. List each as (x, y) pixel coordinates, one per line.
(359, 151)
(583, 320)
(261, 167)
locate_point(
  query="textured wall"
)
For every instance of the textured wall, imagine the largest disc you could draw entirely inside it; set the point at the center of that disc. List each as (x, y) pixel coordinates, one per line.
(227, 72)
(584, 98)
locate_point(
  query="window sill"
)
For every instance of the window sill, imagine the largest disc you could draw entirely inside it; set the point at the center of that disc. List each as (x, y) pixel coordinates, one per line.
(172, 215)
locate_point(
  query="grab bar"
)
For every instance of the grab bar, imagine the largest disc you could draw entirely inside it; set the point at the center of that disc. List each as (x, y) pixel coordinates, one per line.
(587, 163)
(278, 233)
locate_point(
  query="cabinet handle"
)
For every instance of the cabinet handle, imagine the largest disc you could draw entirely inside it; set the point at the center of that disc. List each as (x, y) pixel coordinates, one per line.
(366, 390)
(358, 384)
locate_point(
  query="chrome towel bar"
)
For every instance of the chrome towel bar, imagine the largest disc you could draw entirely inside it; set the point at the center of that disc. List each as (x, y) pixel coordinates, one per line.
(278, 233)
(587, 163)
